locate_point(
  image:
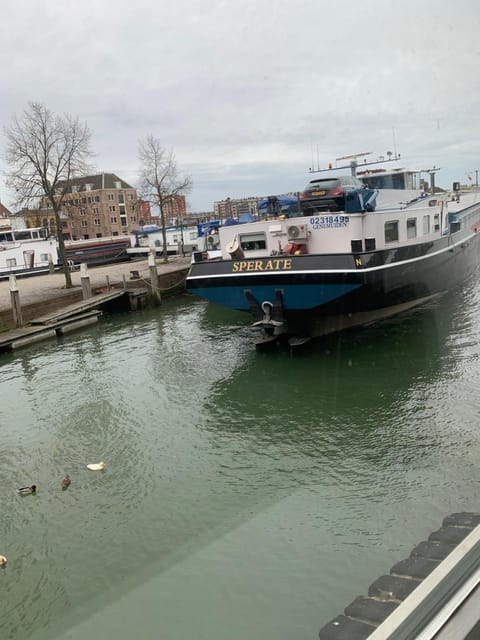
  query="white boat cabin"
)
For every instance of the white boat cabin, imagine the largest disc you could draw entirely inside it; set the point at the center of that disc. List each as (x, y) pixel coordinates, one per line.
(26, 250)
(418, 217)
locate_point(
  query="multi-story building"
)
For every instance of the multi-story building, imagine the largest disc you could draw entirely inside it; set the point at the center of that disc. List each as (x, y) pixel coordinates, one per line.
(175, 209)
(98, 206)
(232, 208)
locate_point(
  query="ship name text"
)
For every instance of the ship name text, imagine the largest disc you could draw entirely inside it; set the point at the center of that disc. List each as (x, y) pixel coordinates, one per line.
(272, 264)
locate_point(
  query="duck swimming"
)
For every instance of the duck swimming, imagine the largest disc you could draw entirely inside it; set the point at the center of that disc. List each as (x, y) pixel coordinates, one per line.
(25, 491)
(96, 466)
(66, 482)
(3, 561)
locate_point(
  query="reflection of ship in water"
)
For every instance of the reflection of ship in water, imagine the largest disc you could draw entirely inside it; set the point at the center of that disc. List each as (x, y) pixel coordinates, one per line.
(352, 391)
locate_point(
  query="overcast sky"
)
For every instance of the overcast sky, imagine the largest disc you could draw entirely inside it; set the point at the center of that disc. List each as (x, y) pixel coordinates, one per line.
(248, 93)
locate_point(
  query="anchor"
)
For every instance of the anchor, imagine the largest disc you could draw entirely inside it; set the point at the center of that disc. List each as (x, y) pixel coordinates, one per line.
(268, 315)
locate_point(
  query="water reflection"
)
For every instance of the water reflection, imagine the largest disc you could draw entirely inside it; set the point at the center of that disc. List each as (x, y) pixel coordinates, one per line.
(201, 435)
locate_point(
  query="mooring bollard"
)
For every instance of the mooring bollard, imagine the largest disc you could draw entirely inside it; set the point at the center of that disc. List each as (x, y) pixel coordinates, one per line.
(85, 280)
(152, 265)
(15, 300)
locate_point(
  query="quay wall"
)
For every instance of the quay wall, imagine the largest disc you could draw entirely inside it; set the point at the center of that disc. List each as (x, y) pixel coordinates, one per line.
(40, 295)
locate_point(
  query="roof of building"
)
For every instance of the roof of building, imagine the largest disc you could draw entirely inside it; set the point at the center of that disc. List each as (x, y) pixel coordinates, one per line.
(4, 212)
(98, 181)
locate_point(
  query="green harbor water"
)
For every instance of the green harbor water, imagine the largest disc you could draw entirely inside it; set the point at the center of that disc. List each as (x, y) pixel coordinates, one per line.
(245, 495)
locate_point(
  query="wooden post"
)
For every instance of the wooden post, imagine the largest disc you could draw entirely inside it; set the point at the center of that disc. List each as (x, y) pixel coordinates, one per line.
(152, 266)
(108, 283)
(51, 266)
(124, 281)
(85, 280)
(15, 300)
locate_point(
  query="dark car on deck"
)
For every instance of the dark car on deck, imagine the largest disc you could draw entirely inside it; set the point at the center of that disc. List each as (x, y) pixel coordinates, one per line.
(341, 193)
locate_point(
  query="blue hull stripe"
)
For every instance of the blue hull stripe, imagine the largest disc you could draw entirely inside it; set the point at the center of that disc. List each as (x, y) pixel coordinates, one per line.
(295, 296)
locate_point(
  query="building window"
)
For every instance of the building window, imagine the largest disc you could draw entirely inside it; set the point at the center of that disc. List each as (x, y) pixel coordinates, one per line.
(426, 225)
(113, 219)
(123, 221)
(133, 218)
(121, 198)
(110, 196)
(64, 224)
(98, 235)
(118, 184)
(84, 223)
(114, 233)
(130, 196)
(82, 212)
(96, 221)
(391, 231)
(94, 209)
(112, 208)
(411, 228)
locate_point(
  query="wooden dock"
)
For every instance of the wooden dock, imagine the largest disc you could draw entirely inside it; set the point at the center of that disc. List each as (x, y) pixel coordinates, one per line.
(70, 318)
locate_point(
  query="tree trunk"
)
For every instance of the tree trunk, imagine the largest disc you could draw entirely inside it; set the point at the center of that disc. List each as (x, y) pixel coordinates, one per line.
(62, 252)
(164, 232)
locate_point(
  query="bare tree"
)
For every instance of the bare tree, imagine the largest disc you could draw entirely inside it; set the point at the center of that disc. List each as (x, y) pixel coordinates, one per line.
(160, 180)
(44, 152)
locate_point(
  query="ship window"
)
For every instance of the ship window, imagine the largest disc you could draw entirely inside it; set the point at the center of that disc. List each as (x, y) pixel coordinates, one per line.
(357, 246)
(23, 235)
(391, 231)
(253, 241)
(11, 262)
(436, 222)
(454, 227)
(44, 257)
(370, 244)
(411, 228)
(426, 225)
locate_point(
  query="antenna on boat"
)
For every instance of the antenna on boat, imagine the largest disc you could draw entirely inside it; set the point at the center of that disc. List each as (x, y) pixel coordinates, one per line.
(354, 162)
(394, 141)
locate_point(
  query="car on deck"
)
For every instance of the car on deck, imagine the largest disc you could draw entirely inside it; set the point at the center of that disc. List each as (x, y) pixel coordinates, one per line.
(340, 193)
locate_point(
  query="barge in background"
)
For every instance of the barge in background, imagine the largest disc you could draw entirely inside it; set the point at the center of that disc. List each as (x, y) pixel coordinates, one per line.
(26, 252)
(98, 251)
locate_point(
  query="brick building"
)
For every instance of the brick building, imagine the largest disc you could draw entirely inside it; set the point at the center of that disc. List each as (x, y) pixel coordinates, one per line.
(97, 206)
(175, 209)
(232, 208)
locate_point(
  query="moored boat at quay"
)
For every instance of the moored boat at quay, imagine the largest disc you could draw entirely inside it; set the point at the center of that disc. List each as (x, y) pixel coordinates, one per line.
(355, 254)
(26, 252)
(97, 251)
